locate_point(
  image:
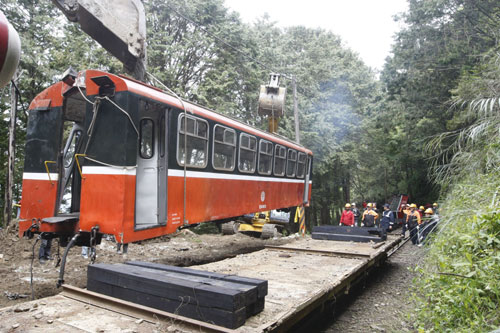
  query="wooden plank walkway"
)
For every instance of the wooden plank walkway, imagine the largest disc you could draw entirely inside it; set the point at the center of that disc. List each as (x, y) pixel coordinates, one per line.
(301, 276)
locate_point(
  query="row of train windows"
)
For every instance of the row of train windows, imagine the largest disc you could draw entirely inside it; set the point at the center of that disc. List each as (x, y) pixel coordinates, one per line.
(281, 162)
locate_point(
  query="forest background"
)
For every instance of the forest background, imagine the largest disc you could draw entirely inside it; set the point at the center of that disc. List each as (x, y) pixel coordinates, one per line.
(428, 125)
(371, 137)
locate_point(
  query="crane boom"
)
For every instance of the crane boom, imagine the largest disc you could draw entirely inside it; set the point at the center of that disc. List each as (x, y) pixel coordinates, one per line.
(118, 25)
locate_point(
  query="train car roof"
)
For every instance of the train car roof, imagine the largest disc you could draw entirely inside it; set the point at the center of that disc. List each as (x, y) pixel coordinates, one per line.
(124, 83)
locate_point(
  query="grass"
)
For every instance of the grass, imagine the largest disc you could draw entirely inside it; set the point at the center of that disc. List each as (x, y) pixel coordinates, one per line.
(459, 282)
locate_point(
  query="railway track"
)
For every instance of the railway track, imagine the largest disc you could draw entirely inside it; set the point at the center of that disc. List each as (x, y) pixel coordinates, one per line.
(303, 276)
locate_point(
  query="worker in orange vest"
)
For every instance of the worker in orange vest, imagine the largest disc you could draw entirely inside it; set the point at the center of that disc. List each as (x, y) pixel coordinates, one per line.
(347, 217)
(413, 220)
(369, 216)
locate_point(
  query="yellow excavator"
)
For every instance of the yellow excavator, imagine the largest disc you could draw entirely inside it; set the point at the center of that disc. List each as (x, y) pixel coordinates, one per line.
(268, 224)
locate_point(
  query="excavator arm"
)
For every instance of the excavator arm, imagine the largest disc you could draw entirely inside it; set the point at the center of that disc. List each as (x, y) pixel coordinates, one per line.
(118, 25)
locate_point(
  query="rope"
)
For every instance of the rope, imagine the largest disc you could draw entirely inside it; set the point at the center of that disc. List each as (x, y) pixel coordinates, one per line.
(125, 112)
(243, 53)
(110, 165)
(80, 90)
(90, 130)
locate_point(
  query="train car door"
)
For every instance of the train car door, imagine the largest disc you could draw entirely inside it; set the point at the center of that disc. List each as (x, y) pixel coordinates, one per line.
(151, 176)
(162, 168)
(306, 180)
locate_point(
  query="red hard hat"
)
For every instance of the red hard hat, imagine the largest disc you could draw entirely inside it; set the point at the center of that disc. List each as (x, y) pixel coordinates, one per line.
(10, 50)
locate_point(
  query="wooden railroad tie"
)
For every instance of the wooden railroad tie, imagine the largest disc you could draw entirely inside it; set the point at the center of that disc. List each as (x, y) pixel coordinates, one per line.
(355, 234)
(225, 300)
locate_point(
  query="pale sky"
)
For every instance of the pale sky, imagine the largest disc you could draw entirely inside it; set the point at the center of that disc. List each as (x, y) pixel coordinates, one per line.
(365, 26)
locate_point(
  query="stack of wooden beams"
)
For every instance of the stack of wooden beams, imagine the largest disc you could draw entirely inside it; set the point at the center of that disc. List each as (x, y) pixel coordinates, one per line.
(224, 300)
(354, 234)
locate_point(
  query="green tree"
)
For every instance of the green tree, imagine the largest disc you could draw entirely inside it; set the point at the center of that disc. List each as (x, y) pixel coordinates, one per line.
(441, 40)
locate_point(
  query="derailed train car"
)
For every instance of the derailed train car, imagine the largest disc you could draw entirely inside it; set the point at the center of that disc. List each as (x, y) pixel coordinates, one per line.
(106, 154)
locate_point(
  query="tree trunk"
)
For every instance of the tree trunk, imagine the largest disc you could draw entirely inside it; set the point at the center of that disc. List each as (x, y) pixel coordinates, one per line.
(347, 187)
(325, 215)
(7, 209)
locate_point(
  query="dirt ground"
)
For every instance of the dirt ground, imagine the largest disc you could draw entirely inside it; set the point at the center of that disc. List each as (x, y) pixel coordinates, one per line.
(384, 302)
(381, 304)
(184, 248)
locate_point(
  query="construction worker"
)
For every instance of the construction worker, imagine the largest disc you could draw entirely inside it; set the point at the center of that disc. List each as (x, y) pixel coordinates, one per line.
(356, 214)
(44, 251)
(387, 221)
(421, 210)
(375, 209)
(347, 217)
(405, 209)
(369, 216)
(413, 220)
(429, 222)
(435, 208)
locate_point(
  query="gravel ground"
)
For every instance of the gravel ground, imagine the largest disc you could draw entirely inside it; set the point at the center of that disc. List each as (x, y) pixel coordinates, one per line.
(383, 303)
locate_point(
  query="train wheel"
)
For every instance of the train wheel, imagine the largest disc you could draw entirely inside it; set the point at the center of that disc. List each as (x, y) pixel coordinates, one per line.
(230, 228)
(269, 230)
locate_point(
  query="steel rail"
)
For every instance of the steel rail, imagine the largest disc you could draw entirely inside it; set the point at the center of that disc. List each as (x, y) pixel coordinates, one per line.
(320, 252)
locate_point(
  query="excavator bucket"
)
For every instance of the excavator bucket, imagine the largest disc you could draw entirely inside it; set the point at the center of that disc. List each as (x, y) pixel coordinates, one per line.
(118, 25)
(272, 98)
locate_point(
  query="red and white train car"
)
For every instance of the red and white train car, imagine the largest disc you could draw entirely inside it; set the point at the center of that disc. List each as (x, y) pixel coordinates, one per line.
(107, 153)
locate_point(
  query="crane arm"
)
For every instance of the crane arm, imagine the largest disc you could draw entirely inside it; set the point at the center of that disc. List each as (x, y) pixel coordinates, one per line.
(118, 25)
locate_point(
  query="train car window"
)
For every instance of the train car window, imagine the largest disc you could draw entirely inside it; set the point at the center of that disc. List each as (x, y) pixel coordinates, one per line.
(301, 165)
(197, 141)
(162, 136)
(248, 153)
(224, 153)
(291, 163)
(146, 138)
(279, 160)
(265, 157)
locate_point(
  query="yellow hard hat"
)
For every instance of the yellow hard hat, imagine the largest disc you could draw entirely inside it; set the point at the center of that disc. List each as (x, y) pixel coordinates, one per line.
(347, 205)
(413, 206)
(429, 211)
(435, 204)
(369, 205)
(421, 207)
